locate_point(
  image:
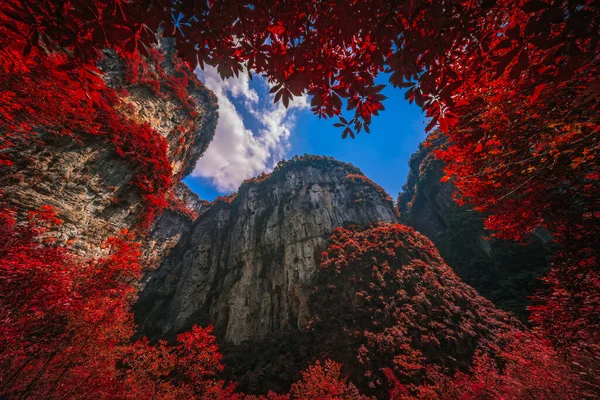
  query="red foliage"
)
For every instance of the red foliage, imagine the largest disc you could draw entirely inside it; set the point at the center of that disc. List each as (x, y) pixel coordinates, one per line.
(498, 67)
(179, 206)
(257, 179)
(385, 299)
(63, 319)
(335, 49)
(48, 105)
(66, 327)
(324, 381)
(187, 370)
(225, 199)
(148, 71)
(513, 84)
(568, 311)
(536, 167)
(406, 327)
(369, 184)
(526, 368)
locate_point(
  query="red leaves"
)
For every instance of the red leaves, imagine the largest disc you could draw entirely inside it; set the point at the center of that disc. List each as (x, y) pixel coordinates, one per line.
(277, 29)
(446, 121)
(67, 98)
(505, 60)
(522, 63)
(400, 306)
(567, 309)
(282, 93)
(66, 327)
(57, 326)
(520, 158)
(329, 51)
(536, 93)
(525, 367)
(324, 381)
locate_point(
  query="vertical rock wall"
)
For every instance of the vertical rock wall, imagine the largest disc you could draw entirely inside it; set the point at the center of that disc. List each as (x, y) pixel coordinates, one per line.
(87, 182)
(503, 271)
(248, 262)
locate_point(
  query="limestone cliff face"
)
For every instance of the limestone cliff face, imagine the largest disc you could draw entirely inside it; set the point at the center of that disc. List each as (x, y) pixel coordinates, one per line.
(164, 112)
(425, 202)
(171, 225)
(88, 182)
(248, 262)
(503, 271)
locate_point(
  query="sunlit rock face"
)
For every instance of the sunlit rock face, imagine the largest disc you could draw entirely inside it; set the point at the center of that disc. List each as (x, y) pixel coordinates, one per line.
(89, 184)
(248, 263)
(188, 130)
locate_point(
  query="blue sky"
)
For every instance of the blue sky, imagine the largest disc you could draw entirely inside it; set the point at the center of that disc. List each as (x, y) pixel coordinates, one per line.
(253, 134)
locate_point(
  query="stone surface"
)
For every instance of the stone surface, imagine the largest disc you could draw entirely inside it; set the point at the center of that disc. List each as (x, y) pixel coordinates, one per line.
(170, 226)
(88, 183)
(503, 271)
(165, 113)
(247, 265)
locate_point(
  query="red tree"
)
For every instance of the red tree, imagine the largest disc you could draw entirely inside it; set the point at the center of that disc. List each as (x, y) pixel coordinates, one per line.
(324, 381)
(66, 325)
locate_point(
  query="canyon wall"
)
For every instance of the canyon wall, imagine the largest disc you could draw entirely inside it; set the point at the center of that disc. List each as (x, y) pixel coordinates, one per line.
(503, 271)
(248, 262)
(89, 184)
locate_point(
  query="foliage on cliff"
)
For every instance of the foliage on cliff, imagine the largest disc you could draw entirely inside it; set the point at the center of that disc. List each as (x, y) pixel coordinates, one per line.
(504, 271)
(300, 162)
(325, 163)
(385, 299)
(511, 83)
(46, 106)
(67, 326)
(403, 326)
(439, 50)
(40, 100)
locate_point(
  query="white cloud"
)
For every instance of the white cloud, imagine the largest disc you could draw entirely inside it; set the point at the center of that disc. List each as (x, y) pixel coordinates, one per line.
(236, 152)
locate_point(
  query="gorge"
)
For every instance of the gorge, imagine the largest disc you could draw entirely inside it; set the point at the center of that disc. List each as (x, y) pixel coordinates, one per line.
(311, 262)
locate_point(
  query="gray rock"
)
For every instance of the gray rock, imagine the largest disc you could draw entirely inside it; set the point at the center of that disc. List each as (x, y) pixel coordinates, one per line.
(503, 271)
(247, 266)
(170, 226)
(89, 184)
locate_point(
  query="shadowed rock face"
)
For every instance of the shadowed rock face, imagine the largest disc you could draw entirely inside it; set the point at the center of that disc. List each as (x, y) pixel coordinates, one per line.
(170, 226)
(88, 183)
(247, 264)
(503, 271)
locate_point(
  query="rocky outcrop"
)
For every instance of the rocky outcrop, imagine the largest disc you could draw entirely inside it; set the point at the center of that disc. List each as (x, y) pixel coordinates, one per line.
(248, 263)
(171, 225)
(425, 202)
(503, 271)
(85, 179)
(163, 111)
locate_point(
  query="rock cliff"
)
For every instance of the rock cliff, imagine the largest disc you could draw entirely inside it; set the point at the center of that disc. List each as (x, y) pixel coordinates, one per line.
(171, 225)
(85, 179)
(503, 271)
(248, 263)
